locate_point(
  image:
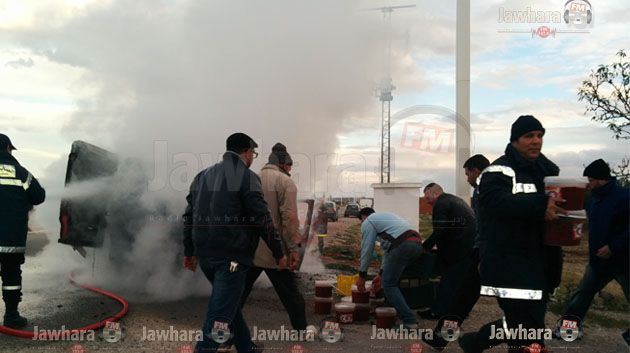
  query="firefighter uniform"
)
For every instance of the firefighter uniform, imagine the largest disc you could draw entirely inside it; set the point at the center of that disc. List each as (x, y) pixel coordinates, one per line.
(516, 266)
(19, 192)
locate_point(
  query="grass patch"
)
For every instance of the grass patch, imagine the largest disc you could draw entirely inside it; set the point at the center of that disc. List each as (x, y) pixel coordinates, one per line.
(560, 297)
(595, 318)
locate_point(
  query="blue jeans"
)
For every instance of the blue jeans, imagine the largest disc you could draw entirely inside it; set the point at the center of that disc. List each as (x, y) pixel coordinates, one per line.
(592, 282)
(224, 309)
(394, 263)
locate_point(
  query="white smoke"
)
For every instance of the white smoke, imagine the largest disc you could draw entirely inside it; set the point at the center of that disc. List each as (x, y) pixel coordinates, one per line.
(167, 82)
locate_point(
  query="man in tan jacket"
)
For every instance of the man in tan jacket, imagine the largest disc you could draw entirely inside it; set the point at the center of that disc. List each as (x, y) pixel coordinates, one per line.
(281, 195)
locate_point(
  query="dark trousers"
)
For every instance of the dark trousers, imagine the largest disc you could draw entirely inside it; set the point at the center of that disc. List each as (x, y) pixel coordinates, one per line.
(592, 282)
(285, 284)
(465, 297)
(11, 274)
(458, 290)
(224, 321)
(530, 314)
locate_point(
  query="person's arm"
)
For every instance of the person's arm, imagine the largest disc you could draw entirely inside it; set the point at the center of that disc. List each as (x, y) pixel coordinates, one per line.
(190, 261)
(496, 196)
(256, 207)
(189, 248)
(368, 239)
(287, 199)
(620, 227)
(439, 222)
(34, 191)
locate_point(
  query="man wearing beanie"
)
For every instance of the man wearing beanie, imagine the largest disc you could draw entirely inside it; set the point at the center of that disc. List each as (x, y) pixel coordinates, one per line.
(225, 216)
(19, 192)
(515, 266)
(281, 195)
(608, 227)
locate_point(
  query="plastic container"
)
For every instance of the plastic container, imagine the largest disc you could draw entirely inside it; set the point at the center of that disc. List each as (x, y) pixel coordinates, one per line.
(323, 289)
(572, 190)
(360, 297)
(344, 284)
(385, 317)
(323, 306)
(361, 312)
(345, 312)
(347, 299)
(375, 303)
(565, 231)
(377, 295)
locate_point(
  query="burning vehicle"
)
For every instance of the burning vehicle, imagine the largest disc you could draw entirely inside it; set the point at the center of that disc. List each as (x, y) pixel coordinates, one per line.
(111, 212)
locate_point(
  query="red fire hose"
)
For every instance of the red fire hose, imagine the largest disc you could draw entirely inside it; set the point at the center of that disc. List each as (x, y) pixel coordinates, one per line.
(95, 326)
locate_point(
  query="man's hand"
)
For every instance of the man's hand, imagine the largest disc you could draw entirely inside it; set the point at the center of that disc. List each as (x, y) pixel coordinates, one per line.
(553, 210)
(294, 260)
(282, 262)
(361, 284)
(604, 252)
(190, 263)
(376, 284)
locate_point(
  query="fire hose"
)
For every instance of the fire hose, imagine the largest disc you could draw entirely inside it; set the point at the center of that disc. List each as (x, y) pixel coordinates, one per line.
(94, 326)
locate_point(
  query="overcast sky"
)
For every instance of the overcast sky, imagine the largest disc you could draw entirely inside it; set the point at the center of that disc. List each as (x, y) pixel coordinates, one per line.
(169, 80)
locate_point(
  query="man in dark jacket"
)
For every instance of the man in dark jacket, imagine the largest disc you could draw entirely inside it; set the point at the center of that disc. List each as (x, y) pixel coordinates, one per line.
(453, 233)
(516, 266)
(19, 192)
(225, 216)
(473, 168)
(608, 228)
(467, 294)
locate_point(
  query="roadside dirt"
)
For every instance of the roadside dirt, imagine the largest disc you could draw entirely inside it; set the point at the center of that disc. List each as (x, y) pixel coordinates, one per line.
(264, 311)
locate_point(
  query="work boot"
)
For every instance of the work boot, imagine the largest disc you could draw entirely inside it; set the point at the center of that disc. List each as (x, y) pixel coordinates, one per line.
(436, 342)
(12, 319)
(428, 315)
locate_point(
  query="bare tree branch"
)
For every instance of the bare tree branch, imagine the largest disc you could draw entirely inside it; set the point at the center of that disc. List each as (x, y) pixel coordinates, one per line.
(613, 108)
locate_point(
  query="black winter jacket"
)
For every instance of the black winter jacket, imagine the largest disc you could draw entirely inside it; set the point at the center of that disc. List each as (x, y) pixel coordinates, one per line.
(608, 224)
(454, 229)
(19, 192)
(227, 213)
(512, 203)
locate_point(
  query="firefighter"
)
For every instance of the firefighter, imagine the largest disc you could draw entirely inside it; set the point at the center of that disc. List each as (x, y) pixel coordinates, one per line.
(19, 192)
(516, 266)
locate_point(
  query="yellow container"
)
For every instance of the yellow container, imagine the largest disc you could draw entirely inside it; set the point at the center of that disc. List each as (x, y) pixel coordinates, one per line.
(344, 284)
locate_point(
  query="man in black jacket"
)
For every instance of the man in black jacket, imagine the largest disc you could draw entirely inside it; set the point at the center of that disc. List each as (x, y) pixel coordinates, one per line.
(225, 216)
(516, 266)
(19, 192)
(473, 168)
(467, 293)
(453, 233)
(608, 235)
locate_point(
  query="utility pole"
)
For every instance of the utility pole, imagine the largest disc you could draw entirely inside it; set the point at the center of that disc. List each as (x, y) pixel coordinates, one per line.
(462, 77)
